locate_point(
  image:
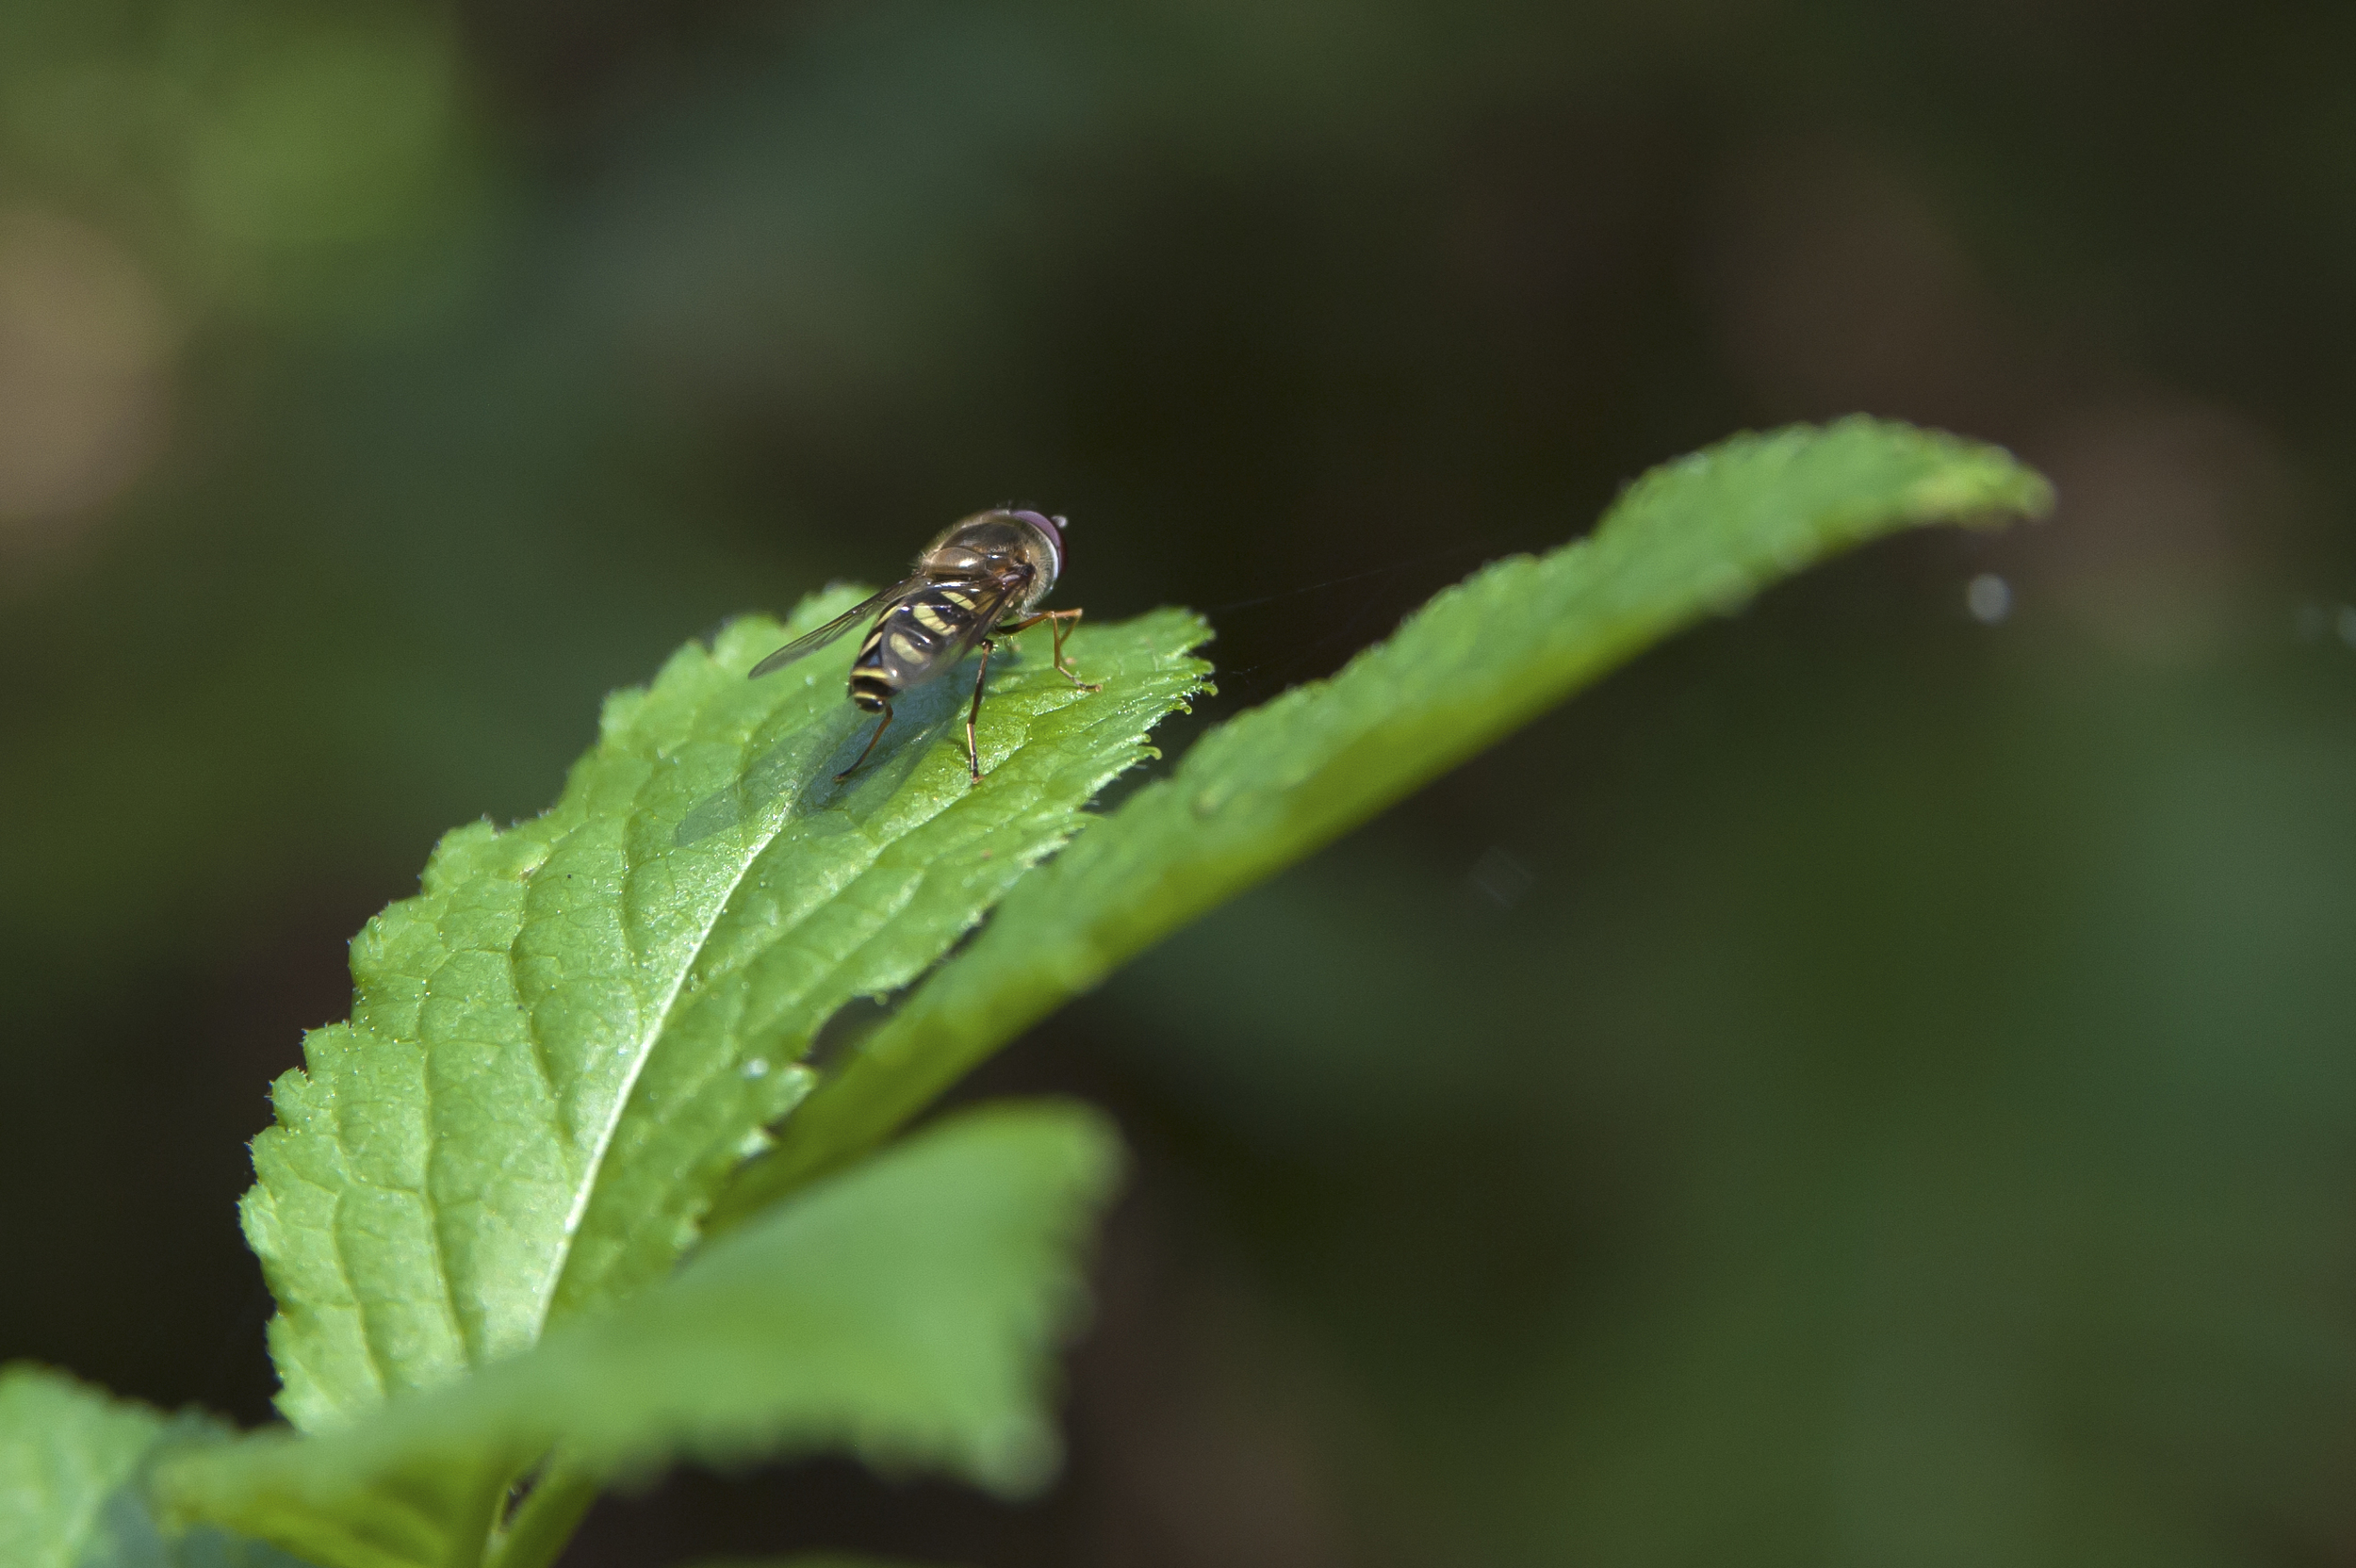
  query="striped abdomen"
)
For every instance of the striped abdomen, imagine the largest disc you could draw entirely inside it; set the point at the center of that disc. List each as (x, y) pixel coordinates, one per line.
(921, 637)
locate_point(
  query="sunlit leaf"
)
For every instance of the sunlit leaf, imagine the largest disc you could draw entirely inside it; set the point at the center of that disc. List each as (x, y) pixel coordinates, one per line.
(1695, 536)
(561, 1045)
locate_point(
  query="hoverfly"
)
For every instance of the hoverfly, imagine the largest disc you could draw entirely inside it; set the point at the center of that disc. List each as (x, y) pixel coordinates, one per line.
(980, 579)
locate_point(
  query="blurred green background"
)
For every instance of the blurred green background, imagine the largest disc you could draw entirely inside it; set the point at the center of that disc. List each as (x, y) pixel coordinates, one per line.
(1871, 1085)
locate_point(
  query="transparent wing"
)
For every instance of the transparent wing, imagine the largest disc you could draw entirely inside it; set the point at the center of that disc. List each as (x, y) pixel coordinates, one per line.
(985, 605)
(811, 642)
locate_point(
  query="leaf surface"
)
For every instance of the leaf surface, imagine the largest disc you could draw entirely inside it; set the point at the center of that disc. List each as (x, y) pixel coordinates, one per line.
(1695, 536)
(73, 1464)
(561, 1045)
(906, 1312)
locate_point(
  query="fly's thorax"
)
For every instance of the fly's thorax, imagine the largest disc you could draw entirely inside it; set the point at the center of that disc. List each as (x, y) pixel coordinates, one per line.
(1022, 552)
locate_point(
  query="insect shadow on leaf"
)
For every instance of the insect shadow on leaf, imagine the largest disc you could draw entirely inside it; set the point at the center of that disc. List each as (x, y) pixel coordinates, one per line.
(799, 770)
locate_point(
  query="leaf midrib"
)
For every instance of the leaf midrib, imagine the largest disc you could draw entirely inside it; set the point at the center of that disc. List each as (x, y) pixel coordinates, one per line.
(586, 1187)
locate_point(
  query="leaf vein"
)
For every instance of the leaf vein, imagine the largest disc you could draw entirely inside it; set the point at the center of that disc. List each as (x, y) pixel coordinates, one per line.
(434, 1220)
(539, 1050)
(377, 1370)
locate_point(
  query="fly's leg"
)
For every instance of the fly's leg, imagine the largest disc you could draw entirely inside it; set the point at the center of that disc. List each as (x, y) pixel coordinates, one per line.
(973, 756)
(870, 746)
(1062, 620)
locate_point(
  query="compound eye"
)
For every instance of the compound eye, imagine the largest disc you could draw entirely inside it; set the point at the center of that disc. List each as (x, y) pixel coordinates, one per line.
(1052, 529)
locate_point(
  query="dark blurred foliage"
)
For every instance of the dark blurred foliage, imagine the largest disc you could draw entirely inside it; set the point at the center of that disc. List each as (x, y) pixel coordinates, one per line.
(1865, 1086)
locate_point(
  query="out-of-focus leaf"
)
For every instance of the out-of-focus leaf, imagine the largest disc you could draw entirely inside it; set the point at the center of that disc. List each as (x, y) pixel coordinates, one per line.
(813, 1560)
(72, 1460)
(65, 1447)
(1697, 535)
(904, 1311)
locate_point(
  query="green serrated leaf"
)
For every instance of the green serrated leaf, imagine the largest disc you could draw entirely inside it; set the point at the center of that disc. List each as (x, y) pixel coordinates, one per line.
(560, 1047)
(1695, 536)
(73, 1464)
(904, 1311)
